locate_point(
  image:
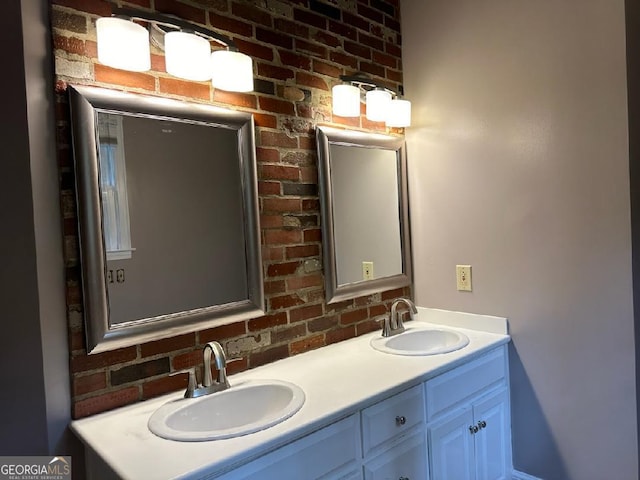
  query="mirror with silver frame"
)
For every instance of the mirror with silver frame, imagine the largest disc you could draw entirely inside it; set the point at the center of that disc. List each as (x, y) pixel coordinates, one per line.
(365, 212)
(167, 214)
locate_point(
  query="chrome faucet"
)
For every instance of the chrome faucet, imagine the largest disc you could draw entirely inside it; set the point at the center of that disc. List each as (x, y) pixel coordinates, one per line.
(393, 323)
(208, 384)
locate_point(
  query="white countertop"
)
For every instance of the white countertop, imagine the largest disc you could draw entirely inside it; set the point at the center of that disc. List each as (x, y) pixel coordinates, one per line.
(337, 380)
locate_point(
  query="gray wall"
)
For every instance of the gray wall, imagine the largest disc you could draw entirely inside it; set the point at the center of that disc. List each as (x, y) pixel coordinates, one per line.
(518, 165)
(34, 399)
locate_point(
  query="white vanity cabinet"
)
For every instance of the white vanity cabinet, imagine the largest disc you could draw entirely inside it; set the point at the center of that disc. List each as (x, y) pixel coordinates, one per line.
(393, 437)
(469, 421)
(330, 453)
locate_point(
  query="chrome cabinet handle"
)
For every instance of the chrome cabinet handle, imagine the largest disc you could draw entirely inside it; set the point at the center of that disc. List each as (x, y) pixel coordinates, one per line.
(401, 420)
(473, 429)
(482, 424)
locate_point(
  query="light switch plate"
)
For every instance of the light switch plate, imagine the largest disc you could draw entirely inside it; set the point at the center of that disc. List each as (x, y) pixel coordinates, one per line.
(463, 278)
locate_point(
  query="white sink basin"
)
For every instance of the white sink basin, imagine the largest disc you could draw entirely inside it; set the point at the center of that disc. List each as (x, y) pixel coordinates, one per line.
(242, 409)
(418, 340)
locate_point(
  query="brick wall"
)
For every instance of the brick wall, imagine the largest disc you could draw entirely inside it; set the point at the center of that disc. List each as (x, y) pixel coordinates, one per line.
(299, 50)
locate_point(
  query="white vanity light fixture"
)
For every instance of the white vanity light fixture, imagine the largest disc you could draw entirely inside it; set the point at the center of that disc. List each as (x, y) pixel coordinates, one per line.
(346, 100)
(382, 103)
(124, 44)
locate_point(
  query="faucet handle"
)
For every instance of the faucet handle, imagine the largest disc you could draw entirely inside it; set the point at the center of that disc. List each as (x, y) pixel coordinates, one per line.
(192, 382)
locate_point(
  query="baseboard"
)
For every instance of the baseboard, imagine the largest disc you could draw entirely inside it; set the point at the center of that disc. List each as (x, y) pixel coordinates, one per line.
(515, 475)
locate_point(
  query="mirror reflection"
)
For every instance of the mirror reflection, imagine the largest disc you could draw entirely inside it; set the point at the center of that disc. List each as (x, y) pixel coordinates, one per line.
(173, 230)
(364, 206)
(167, 216)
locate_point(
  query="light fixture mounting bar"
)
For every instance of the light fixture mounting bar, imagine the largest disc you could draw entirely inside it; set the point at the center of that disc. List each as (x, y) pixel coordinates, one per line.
(159, 19)
(365, 83)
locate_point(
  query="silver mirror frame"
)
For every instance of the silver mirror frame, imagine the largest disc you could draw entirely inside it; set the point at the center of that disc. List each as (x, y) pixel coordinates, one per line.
(100, 334)
(326, 136)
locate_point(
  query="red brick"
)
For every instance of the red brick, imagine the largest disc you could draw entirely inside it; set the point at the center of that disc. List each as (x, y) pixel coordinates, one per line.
(287, 334)
(297, 283)
(268, 321)
(223, 332)
(267, 154)
(346, 121)
(163, 385)
(246, 100)
(367, 327)
(277, 139)
(305, 313)
(343, 29)
(355, 21)
(254, 50)
(181, 10)
(91, 49)
(343, 59)
(321, 324)
(368, 40)
(269, 188)
(370, 13)
(310, 18)
(295, 60)
(294, 29)
(312, 235)
(306, 344)
(353, 316)
(285, 301)
(279, 237)
(277, 106)
(310, 205)
(302, 251)
(279, 172)
(265, 120)
(313, 48)
(326, 69)
(279, 269)
(274, 286)
(185, 88)
(274, 72)
(274, 38)
(321, 36)
(309, 175)
(186, 360)
(100, 360)
(384, 59)
(235, 365)
(340, 334)
(393, 49)
(68, 21)
(108, 401)
(76, 340)
(251, 13)
(89, 383)
(272, 254)
(310, 80)
(271, 355)
(168, 344)
(114, 76)
(281, 205)
(227, 24)
(372, 68)
(97, 7)
(394, 75)
(69, 44)
(357, 49)
(392, 294)
(271, 221)
(377, 310)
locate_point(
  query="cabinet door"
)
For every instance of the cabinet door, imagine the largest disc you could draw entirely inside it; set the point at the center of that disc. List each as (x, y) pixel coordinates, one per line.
(406, 461)
(493, 443)
(452, 453)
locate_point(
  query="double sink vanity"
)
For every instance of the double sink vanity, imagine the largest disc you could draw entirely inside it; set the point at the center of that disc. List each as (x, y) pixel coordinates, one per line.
(430, 402)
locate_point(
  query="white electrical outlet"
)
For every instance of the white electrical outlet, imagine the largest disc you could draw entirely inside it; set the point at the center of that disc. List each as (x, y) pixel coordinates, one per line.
(463, 277)
(367, 270)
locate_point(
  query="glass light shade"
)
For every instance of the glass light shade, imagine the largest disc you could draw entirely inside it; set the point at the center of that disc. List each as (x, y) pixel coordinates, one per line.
(399, 113)
(187, 56)
(231, 71)
(346, 100)
(123, 44)
(377, 104)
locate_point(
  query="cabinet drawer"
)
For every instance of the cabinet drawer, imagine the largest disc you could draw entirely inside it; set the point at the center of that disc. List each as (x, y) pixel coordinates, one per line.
(406, 460)
(331, 452)
(391, 417)
(461, 383)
